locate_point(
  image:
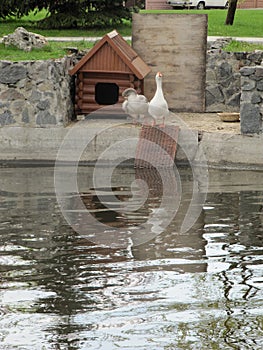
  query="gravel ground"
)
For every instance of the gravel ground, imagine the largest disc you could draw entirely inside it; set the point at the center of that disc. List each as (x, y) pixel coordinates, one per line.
(208, 122)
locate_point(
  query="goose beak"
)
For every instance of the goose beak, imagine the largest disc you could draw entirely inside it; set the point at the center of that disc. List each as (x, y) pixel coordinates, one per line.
(159, 74)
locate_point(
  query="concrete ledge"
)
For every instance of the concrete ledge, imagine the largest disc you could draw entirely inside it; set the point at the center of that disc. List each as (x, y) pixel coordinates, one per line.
(117, 142)
(232, 150)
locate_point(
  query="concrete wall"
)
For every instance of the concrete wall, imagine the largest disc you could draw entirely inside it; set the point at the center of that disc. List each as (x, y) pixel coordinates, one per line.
(35, 93)
(251, 106)
(174, 44)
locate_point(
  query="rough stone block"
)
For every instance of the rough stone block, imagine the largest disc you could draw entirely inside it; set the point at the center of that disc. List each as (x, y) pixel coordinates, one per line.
(246, 71)
(256, 57)
(259, 72)
(44, 118)
(24, 40)
(240, 55)
(234, 100)
(248, 85)
(13, 73)
(43, 105)
(35, 96)
(256, 97)
(11, 95)
(250, 119)
(260, 85)
(25, 116)
(6, 118)
(224, 70)
(213, 94)
(17, 106)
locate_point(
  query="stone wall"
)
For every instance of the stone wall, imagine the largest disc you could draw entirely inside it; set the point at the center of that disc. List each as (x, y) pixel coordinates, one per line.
(251, 105)
(223, 78)
(39, 93)
(35, 93)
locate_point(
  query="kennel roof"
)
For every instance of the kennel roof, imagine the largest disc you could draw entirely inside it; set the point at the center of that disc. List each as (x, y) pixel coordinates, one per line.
(112, 54)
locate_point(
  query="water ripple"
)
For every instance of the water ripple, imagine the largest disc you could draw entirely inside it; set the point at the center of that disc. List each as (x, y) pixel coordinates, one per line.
(200, 290)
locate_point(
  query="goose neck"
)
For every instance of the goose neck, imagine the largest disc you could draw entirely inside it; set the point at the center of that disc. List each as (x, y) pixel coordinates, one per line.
(159, 84)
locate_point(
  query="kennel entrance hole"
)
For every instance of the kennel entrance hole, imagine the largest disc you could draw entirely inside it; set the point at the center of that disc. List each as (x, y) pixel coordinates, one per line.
(106, 93)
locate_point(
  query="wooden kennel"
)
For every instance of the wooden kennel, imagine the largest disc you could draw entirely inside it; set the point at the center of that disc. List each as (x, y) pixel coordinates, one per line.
(109, 68)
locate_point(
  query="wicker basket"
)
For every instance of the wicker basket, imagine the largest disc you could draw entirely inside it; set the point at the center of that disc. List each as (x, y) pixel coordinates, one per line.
(229, 117)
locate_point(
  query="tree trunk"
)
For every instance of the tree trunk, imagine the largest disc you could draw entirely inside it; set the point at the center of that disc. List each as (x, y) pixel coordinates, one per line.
(231, 12)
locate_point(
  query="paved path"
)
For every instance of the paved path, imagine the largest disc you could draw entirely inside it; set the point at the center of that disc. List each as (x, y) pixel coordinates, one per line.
(246, 39)
(209, 38)
(93, 39)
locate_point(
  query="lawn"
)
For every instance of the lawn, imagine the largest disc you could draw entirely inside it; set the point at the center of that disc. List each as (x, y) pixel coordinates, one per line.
(248, 23)
(30, 23)
(51, 51)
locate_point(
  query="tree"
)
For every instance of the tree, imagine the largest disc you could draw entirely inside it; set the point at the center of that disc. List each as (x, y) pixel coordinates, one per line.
(231, 12)
(70, 13)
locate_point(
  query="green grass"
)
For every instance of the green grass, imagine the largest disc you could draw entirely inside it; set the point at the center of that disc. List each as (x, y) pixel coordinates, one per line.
(248, 23)
(237, 46)
(51, 51)
(30, 23)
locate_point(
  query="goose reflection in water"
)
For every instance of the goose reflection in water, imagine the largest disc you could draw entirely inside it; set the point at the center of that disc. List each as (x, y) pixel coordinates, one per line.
(140, 213)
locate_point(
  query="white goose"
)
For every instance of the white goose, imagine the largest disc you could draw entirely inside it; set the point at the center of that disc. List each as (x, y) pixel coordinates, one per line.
(158, 106)
(135, 105)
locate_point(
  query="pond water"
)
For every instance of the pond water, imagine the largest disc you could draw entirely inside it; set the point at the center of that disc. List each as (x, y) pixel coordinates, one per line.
(202, 289)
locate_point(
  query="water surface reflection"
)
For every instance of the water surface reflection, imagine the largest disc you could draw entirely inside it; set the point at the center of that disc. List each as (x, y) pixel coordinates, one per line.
(199, 290)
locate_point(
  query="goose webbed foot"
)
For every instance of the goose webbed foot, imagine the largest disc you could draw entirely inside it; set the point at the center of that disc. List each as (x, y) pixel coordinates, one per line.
(162, 125)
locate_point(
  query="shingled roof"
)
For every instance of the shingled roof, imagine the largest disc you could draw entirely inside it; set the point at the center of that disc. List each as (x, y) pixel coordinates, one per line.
(121, 48)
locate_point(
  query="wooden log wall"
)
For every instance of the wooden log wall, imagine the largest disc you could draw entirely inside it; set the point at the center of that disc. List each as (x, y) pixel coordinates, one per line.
(85, 99)
(157, 5)
(248, 4)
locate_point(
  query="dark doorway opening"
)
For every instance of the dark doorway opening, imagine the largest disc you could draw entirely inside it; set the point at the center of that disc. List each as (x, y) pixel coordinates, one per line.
(106, 93)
